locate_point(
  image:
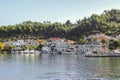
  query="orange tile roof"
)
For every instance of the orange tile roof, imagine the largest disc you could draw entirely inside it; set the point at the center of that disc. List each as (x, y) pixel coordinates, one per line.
(54, 38)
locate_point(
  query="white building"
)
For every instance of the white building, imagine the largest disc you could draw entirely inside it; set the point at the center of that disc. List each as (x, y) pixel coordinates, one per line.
(90, 47)
(31, 43)
(62, 46)
(19, 43)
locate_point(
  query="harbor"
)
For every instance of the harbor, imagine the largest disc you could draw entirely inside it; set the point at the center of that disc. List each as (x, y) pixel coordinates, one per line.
(60, 46)
(97, 45)
(60, 40)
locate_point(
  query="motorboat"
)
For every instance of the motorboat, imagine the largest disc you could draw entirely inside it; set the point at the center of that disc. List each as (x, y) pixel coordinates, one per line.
(31, 52)
(46, 49)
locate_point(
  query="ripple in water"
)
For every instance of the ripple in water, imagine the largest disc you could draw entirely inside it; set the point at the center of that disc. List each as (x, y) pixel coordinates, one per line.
(57, 67)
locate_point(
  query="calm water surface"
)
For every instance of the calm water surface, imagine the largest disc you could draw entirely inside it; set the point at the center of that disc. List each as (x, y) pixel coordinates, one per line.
(58, 67)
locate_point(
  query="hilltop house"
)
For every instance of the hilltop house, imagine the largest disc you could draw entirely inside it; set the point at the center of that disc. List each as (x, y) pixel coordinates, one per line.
(97, 37)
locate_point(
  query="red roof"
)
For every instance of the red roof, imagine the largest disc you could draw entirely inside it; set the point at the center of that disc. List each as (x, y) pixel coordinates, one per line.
(54, 38)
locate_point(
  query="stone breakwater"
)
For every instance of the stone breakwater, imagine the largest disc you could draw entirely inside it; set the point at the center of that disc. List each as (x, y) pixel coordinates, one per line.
(110, 54)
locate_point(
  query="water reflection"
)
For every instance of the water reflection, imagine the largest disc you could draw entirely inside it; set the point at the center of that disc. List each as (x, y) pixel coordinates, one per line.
(61, 67)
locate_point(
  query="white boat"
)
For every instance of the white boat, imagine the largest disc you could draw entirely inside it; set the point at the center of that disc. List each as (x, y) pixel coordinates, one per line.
(46, 49)
(30, 52)
(26, 51)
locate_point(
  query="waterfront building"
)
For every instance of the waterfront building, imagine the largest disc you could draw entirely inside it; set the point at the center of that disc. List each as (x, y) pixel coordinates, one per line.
(31, 43)
(57, 44)
(87, 47)
(60, 45)
(9, 43)
(93, 47)
(19, 43)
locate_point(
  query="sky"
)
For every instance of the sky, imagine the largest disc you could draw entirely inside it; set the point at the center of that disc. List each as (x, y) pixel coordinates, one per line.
(16, 11)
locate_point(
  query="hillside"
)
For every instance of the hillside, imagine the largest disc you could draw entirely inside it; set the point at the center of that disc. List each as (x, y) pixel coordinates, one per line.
(108, 22)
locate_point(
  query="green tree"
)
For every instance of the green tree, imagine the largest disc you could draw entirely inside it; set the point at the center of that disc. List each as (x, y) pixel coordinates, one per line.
(105, 41)
(116, 44)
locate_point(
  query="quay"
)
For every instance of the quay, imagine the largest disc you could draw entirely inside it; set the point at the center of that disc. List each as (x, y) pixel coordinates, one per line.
(110, 54)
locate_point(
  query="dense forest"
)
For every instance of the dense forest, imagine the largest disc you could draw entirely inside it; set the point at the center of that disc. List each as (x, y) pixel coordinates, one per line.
(108, 22)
